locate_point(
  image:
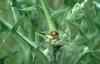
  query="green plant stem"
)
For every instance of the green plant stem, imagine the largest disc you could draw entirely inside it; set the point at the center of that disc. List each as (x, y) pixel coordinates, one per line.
(48, 18)
(14, 16)
(82, 55)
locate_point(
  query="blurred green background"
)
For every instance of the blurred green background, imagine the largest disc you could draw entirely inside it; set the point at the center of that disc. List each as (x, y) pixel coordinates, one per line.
(24, 25)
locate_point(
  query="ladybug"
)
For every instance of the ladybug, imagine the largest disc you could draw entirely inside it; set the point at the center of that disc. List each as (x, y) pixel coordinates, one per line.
(52, 35)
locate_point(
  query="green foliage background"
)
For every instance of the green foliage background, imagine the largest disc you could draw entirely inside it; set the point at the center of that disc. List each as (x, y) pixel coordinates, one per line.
(24, 24)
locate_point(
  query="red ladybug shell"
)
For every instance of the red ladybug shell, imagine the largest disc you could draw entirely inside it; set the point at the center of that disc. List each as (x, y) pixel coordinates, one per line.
(53, 34)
